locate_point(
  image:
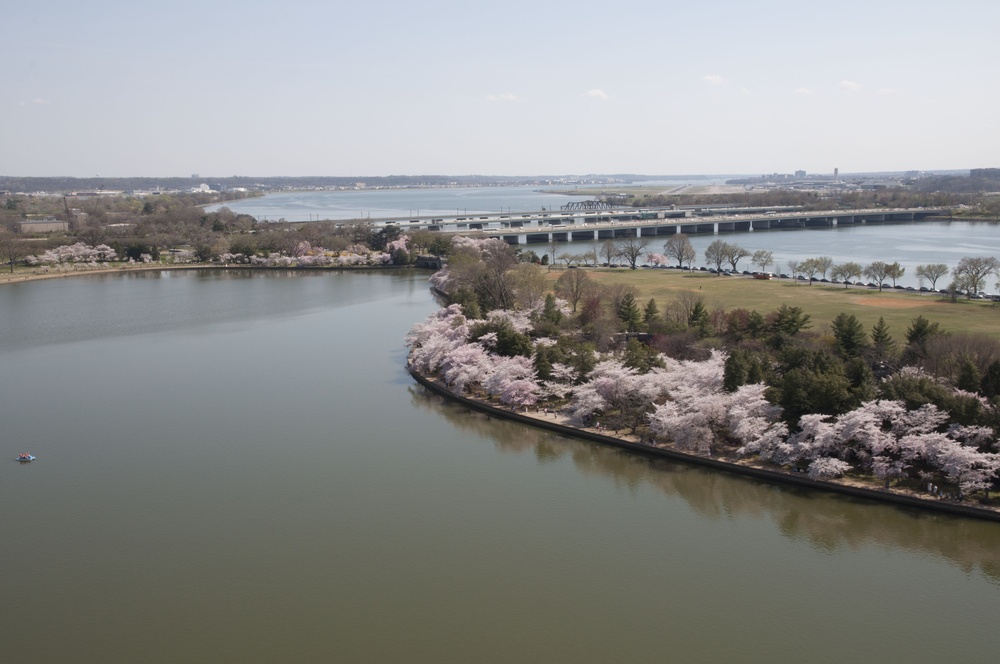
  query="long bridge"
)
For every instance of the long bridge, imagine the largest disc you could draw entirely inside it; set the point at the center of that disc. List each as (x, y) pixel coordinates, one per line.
(548, 226)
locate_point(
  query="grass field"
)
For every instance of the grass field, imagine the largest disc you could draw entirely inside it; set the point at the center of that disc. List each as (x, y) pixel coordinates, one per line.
(821, 301)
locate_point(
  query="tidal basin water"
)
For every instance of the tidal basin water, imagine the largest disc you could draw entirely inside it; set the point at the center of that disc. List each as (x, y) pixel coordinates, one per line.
(235, 467)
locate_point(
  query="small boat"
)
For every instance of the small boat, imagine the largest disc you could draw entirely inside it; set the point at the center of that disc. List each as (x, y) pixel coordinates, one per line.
(25, 457)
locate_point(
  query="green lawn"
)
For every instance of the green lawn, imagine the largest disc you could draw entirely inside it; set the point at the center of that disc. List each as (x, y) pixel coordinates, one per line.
(821, 301)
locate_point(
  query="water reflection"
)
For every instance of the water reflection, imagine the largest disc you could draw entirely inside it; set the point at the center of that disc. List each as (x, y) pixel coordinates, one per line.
(829, 522)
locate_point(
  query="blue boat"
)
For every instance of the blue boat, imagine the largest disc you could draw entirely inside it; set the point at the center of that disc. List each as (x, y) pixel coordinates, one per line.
(25, 457)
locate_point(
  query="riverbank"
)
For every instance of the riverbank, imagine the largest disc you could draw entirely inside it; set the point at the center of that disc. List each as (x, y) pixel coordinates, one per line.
(559, 423)
(19, 277)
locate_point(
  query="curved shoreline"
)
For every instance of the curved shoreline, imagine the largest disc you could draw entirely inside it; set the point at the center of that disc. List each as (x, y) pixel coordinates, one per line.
(773, 476)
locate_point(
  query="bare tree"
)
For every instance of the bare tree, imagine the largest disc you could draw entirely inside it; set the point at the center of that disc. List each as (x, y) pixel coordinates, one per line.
(931, 272)
(809, 267)
(895, 271)
(631, 248)
(972, 271)
(823, 265)
(846, 271)
(762, 259)
(12, 249)
(734, 254)
(715, 254)
(573, 285)
(679, 248)
(877, 271)
(609, 251)
(529, 284)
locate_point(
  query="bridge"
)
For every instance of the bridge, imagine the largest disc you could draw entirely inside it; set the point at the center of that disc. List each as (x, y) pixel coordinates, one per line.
(587, 225)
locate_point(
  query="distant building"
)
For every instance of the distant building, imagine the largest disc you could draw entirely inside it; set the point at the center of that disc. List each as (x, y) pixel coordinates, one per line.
(48, 225)
(985, 173)
(800, 174)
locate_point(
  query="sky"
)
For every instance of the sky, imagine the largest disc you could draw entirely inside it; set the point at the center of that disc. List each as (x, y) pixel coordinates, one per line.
(112, 88)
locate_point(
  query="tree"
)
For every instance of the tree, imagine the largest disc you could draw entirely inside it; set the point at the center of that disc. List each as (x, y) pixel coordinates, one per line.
(715, 254)
(882, 343)
(877, 271)
(609, 251)
(699, 319)
(823, 265)
(788, 320)
(641, 357)
(11, 249)
(894, 271)
(989, 386)
(529, 284)
(972, 271)
(651, 312)
(919, 333)
(809, 267)
(629, 313)
(631, 248)
(931, 272)
(572, 285)
(762, 259)
(734, 254)
(679, 248)
(849, 335)
(846, 271)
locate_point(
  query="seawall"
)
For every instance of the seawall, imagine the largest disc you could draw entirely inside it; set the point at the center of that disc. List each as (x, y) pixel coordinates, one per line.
(723, 466)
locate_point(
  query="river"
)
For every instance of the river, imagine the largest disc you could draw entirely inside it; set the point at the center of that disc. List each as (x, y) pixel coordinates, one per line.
(236, 467)
(909, 243)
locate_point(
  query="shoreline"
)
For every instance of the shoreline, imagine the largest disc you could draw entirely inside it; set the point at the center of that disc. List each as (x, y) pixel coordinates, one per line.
(8, 278)
(557, 423)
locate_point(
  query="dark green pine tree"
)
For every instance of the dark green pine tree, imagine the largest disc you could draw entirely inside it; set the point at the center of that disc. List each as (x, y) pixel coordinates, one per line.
(651, 312)
(989, 386)
(849, 335)
(882, 342)
(628, 313)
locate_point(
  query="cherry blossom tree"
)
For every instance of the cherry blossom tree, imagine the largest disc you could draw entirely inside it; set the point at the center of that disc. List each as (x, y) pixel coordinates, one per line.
(825, 468)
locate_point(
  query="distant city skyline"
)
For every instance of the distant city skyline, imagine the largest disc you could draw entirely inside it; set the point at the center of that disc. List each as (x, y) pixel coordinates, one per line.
(115, 89)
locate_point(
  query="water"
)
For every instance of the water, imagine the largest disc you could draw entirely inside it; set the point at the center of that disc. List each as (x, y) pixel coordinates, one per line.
(396, 203)
(911, 244)
(236, 467)
(385, 203)
(908, 243)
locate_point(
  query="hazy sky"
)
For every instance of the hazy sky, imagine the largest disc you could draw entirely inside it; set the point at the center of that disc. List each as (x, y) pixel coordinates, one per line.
(114, 88)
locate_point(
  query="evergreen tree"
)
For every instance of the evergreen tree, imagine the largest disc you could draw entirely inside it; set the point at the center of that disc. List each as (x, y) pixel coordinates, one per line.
(628, 312)
(698, 319)
(789, 320)
(550, 311)
(735, 371)
(882, 342)
(651, 312)
(989, 386)
(968, 376)
(641, 357)
(849, 335)
(919, 332)
(543, 364)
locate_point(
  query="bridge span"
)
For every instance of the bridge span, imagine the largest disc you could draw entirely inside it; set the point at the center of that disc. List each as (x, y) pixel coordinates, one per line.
(550, 226)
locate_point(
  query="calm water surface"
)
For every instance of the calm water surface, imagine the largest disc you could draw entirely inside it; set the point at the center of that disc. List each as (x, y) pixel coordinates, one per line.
(236, 468)
(911, 244)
